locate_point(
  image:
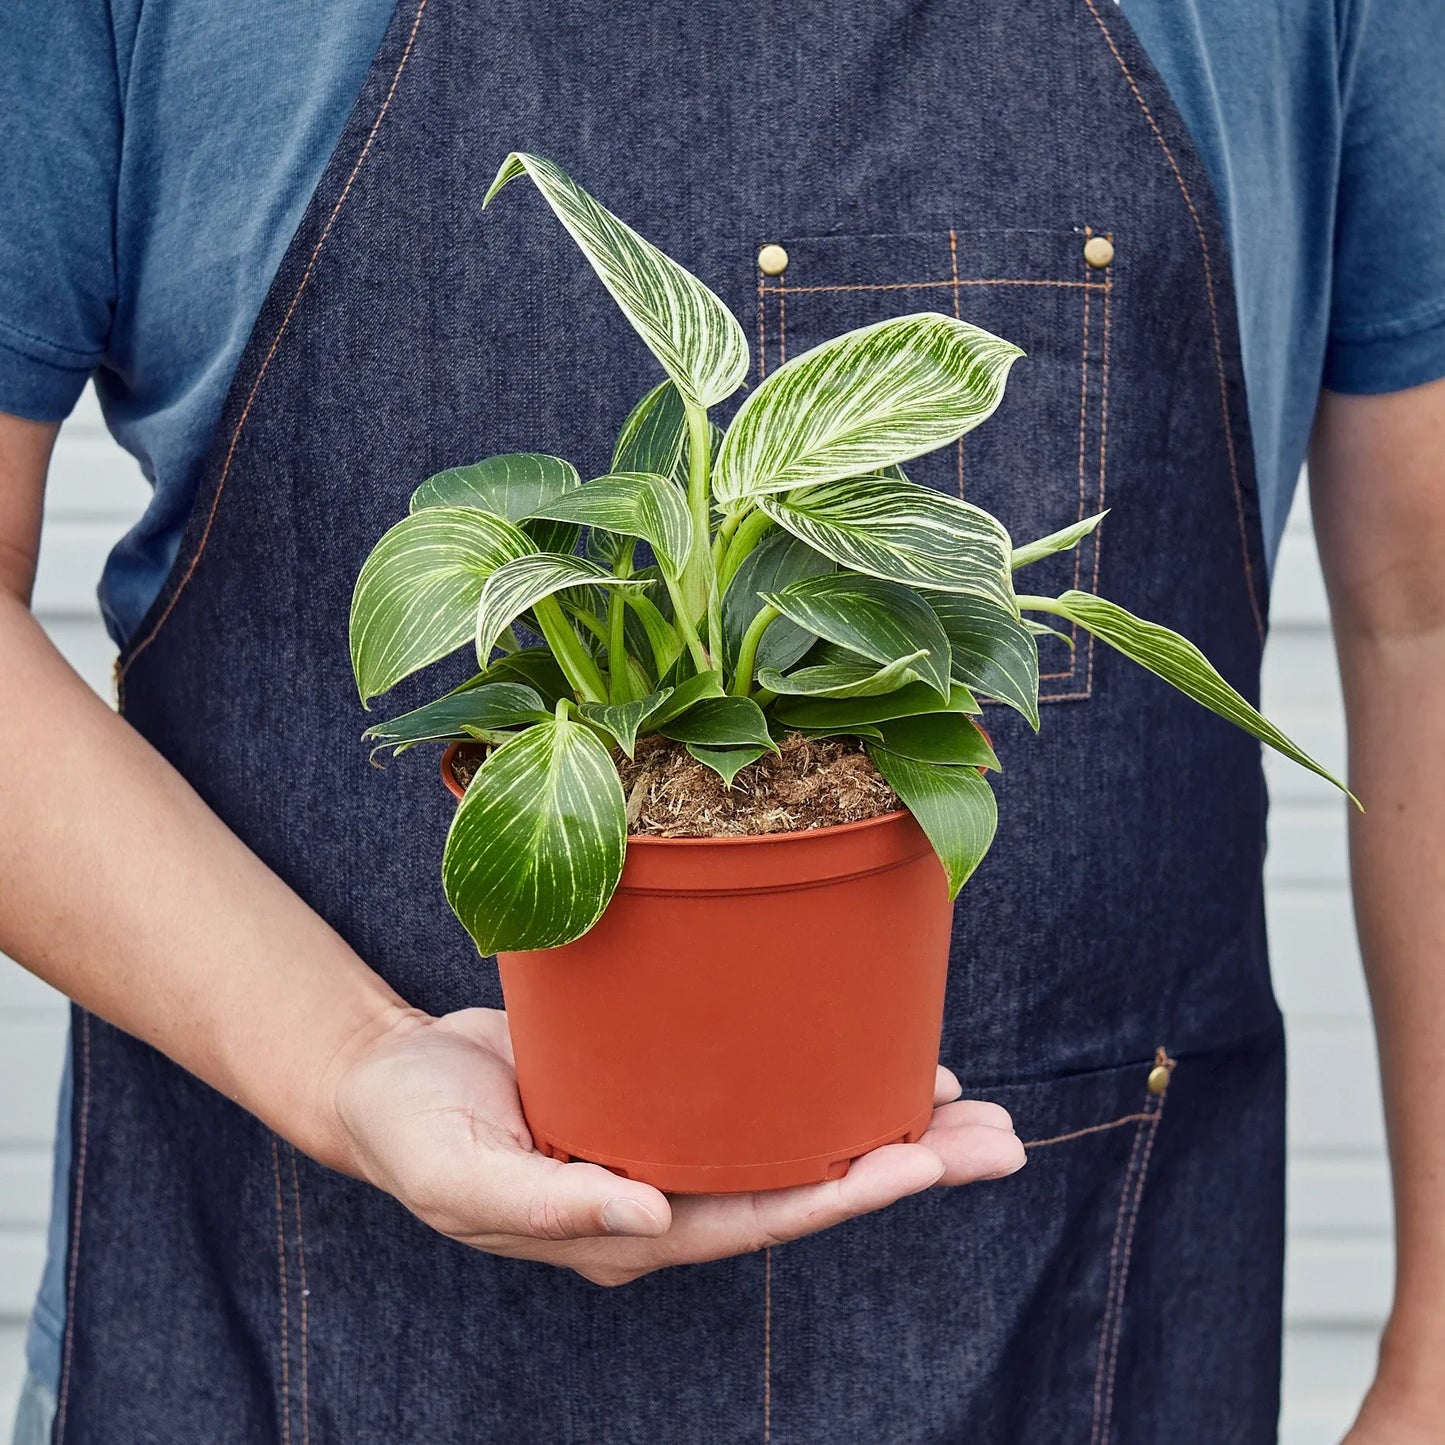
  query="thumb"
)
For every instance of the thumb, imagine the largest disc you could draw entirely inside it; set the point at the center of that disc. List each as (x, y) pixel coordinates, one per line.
(539, 1198)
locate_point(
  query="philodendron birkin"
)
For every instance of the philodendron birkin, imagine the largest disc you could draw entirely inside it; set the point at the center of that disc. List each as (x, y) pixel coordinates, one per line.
(801, 582)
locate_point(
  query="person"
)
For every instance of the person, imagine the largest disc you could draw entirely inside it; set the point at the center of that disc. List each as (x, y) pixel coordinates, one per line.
(1217, 232)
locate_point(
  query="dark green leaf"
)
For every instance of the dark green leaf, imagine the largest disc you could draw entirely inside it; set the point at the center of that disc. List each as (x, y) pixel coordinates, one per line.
(622, 719)
(778, 561)
(846, 679)
(720, 722)
(534, 666)
(484, 705)
(992, 651)
(954, 806)
(654, 436)
(686, 692)
(727, 763)
(827, 712)
(939, 737)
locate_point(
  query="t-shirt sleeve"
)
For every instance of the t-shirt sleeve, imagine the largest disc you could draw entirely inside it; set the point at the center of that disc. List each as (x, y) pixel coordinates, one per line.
(1387, 308)
(60, 134)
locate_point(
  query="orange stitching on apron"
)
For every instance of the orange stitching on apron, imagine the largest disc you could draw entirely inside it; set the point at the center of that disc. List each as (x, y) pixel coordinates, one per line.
(285, 1292)
(767, 1345)
(762, 327)
(190, 571)
(1103, 456)
(943, 285)
(77, 1213)
(1213, 312)
(305, 1294)
(957, 316)
(1090, 1129)
(782, 325)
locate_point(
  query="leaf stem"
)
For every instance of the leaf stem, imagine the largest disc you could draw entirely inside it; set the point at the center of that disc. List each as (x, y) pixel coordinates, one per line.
(748, 650)
(699, 571)
(619, 684)
(682, 625)
(572, 657)
(755, 526)
(1040, 604)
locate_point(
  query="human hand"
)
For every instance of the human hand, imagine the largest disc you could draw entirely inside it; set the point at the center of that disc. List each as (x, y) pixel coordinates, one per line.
(430, 1113)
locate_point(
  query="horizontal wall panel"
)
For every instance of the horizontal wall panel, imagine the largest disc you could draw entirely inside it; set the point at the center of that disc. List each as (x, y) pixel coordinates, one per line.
(1334, 1091)
(1331, 1195)
(1308, 844)
(25, 1188)
(71, 560)
(22, 1258)
(1339, 1281)
(1297, 591)
(1317, 968)
(90, 478)
(22, 992)
(31, 1054)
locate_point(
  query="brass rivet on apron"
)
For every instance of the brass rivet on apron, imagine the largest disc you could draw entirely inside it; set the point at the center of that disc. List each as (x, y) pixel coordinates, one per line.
(1098, 252)
(1158, 1079)
(772, 260)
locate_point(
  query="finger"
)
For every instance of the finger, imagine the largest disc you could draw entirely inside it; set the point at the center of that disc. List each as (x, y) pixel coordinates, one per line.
(529, 1195)
(972, 1111)
(946, 1087)
(974, 1152)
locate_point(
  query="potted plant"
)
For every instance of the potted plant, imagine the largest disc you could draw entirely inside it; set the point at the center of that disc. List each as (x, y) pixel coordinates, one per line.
(786, 682)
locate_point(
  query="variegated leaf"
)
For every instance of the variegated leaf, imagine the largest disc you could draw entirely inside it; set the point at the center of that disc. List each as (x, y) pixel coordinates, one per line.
(864, 401)
(637, 504)
(1059, 541)
(903, 533)
(416, 598)
(685, 326)
(778, 561)
(484, 705)
(521, 584)
(1180, 662)
(534, 666)
(877, 619)
(512, 486)
(623, 719)
(846, 679)
(833, 714)
(992, 650)
(687, 693)
(954, 806)
(536, 847)
(654, 436)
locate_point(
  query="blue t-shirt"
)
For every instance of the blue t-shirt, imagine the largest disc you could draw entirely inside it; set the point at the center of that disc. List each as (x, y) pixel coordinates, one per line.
(155, 160)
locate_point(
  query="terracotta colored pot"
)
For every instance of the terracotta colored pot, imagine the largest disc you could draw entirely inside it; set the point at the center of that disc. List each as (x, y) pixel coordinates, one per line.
(750, 1013)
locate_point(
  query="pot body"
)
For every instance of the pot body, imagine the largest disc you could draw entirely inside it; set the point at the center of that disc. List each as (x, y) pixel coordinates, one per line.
(749, 1013)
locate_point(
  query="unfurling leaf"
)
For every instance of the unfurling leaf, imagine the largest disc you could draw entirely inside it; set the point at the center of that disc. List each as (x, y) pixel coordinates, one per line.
(954, 806)
(847, 679)
(536, 847)
(865, 401)
(993, 651)
(685, 326)
(881, 620)
(416, 598)
(1059, 541)
(1180, 662)
(903, 533)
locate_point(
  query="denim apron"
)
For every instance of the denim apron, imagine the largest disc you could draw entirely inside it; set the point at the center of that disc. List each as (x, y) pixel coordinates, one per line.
(1017, 165)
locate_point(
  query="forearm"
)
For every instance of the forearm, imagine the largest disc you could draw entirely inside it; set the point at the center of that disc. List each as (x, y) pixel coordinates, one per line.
(125, 892)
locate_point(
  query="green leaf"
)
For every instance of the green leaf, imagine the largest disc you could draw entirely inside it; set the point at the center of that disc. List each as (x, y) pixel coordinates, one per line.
(778, 561)
(536, 847)
(858, 730)
(686, 692)
(840, 713)
(510, 486)
(846, 679)
(662, 640)
(902, 533)
(1059, 541)
(720, 722)
(522, 583)
(486, 705)
(622, 719)
(878, 619)
(1039, 629)
(954, 806)
(1178, 661)
(866, 400)
(638, 504)
(727, 763)
(416, 598)
(534, 666)
(654, 436)
(939, 737)
(992, 651)
(685, 326)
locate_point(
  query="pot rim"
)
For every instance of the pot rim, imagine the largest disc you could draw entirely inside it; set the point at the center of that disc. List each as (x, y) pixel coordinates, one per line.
(634, 840)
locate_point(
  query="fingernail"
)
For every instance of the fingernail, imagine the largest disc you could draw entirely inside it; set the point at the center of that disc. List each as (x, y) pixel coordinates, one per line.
(1012, 1169)
(627, 1216)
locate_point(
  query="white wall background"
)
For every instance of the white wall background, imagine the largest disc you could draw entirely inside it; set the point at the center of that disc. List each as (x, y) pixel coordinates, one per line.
(1340, 1246)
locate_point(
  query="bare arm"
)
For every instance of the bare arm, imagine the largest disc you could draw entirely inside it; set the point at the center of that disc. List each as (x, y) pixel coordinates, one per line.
(124, 891)
(1378, 488)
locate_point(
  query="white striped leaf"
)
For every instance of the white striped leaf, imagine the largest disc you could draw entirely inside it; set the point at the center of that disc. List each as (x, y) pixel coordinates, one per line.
(534, 666)
(903, 533)
(512, 486)
(416, 598)
(637, 504)
(847, 679)
(524, 582)
(727, 763)
(939, 737)
(1059, 541)
(954, 806)
(685, 326)
(864, 401)
(877, 619)
(992, 651)
(536, 847)
(1040, 629)
(778, 561)
(1178, 661)
(832, 714)
(483, 706)
(720, 722)
(623, 719)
